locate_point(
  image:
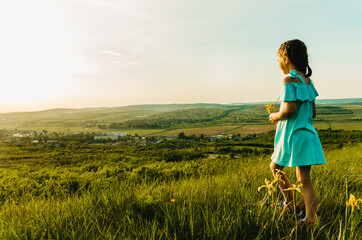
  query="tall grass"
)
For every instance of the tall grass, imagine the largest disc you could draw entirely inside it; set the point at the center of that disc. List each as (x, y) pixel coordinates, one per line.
(219, 200)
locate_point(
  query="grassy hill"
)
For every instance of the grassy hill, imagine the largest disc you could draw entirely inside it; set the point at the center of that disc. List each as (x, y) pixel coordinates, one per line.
(169, 119)
(174, 190)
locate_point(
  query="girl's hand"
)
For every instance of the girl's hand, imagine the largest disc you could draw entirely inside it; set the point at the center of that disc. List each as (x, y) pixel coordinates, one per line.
(273, 118)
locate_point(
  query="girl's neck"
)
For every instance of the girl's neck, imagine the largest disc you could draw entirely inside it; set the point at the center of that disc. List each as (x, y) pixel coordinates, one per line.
(290, 67)
(300, 73)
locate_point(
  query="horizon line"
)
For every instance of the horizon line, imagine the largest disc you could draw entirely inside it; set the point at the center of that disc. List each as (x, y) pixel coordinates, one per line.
(142, 104)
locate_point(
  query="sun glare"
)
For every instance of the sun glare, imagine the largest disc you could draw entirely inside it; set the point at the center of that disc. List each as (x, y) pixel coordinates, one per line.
(36, 52)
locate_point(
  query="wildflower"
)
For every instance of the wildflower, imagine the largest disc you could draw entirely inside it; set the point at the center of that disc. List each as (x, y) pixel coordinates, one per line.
(173, 200)
(280, 171)
(278, 176)
(353, 202)
(295, 188)
(270, 107)
(269, 186)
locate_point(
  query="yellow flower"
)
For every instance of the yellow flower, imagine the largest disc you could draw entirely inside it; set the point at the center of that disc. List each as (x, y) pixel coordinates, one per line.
(280, 171)
(175, 194)
(353, 202)
(295, 188)
(269, 186)
(270, 107)
(278, 176)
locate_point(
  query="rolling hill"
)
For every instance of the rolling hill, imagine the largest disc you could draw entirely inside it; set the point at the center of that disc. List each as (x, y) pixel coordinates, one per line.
(172, 116)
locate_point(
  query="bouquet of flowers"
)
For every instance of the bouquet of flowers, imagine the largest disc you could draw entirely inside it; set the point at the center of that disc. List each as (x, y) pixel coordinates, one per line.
(270, 107)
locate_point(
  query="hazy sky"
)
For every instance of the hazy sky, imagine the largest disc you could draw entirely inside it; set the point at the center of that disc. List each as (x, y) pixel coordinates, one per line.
(93, 53)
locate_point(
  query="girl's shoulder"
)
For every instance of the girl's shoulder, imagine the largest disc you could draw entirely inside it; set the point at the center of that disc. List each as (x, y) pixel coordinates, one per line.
(293, 90)
(289, 79)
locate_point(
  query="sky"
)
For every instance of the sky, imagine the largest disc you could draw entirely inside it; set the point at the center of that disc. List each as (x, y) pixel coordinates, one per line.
(109, 53)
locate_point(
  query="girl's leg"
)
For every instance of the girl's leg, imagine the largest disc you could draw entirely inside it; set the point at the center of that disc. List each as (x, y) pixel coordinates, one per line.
(310, 197)
(288, 195)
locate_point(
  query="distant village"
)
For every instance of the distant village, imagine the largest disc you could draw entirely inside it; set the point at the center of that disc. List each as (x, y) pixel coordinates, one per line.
(44, 136)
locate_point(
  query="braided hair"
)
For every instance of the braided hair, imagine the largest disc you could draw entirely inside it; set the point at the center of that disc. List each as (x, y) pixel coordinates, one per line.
(297, 53)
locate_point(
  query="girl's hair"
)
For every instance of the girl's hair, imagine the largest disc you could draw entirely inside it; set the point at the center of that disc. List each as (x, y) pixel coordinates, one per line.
(297, 53)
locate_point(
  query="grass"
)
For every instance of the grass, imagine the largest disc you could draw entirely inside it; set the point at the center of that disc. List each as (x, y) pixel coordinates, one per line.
(215, 199)
(207, 131)
(344, 126)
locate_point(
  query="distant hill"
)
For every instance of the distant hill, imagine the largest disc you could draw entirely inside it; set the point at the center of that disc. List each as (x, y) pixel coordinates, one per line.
(318, 101)
(157, 108)
(162, 116)
(339, 101)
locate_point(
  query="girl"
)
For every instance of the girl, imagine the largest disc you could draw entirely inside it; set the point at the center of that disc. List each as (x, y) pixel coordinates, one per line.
(296, 141)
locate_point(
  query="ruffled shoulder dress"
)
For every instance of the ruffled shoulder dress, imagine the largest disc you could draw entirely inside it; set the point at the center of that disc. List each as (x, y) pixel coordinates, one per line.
(296, 141)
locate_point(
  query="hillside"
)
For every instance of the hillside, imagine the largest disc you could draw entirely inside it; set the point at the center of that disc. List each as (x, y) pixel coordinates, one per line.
(172, 117)
(181, 189)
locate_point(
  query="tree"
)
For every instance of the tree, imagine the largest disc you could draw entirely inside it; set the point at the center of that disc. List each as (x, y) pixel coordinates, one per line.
(181, 135)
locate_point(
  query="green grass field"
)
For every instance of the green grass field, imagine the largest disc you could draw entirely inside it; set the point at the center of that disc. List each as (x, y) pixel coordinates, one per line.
(77, 191)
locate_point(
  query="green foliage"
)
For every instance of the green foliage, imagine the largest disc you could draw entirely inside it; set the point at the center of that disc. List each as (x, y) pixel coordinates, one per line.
(181, 135)
(172, 190)
(147, 206)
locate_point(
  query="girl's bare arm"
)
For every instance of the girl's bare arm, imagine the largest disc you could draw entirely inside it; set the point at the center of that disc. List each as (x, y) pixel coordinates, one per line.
(285, 112)
(314, 110)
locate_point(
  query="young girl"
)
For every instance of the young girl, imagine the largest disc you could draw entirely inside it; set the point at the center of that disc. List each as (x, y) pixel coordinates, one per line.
(296, 141)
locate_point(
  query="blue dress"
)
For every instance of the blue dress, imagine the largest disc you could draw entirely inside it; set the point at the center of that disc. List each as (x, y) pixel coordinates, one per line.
(296, 141)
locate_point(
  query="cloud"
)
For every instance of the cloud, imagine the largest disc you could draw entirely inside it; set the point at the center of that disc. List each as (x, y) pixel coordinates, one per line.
(112, 53)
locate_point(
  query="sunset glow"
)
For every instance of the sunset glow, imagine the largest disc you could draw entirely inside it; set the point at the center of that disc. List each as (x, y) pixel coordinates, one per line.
(36, 52)
(95, 53)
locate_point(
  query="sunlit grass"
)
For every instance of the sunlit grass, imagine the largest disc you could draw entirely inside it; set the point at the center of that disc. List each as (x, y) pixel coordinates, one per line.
(219, 200)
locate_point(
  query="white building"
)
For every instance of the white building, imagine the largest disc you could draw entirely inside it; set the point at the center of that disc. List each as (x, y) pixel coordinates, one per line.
(111, 135)
(118, 134)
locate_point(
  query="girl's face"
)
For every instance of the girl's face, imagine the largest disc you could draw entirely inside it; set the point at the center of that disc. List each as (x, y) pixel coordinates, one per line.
(283, 63)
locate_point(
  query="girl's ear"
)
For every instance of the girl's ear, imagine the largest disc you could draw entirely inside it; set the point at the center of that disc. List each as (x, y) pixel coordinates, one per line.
(286, 59)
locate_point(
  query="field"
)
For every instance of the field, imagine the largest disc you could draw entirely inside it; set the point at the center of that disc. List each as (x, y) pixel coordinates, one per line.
(171, 119)
(57, 182)
(181, 189)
